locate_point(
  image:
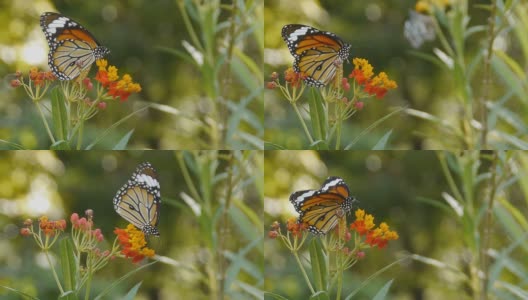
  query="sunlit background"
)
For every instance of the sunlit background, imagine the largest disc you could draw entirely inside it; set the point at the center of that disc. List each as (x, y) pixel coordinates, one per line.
(143, 37)
(57, 184)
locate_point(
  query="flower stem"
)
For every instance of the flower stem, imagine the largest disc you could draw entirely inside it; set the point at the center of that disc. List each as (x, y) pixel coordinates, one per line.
(45, 123)
(304, 272)
(53, 271)
(302, 122)
(89, 281)
(80, 135)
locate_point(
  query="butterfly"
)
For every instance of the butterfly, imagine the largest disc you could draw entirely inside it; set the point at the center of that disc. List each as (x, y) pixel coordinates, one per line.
(138, 201)
(321, 209)
(318, 54)
(72, 48)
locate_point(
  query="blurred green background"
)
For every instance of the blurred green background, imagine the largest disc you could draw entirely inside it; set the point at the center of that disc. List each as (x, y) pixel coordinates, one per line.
(390, 185)
(375, 31)
(143, 37)
(56, 184)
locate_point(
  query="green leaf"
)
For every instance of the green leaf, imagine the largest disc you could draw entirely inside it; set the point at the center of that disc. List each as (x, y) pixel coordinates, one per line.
(69, 295)
(123, 142)
(376, 274)
(133, 291)
(68, 264)
(319, 145)
(60, 145)
(317, 115)
(13, 145)
(117, 282)
(102, 135)
(22, 293)
(380, 145)
(382, 293)
(321, 295)
(59, 114)
(269, 295)
(319, 267)
(372, 126)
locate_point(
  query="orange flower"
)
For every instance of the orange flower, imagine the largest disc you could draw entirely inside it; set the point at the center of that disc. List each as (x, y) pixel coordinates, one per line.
(50, 228)
(108, 77)
(293, 78)
(363, 222)
(295, 227)
(378, 86)
(133, 243)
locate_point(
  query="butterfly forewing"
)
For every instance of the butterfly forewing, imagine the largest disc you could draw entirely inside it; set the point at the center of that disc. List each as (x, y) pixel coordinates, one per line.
(138, 201)
(321, 209)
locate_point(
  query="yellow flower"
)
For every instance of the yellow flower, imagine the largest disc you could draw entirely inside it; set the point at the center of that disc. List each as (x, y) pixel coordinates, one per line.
(102, 64)
(112, 73)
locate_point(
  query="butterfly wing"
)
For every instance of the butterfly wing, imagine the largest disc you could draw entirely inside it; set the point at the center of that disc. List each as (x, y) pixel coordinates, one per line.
(322, 209)
(317, 53)
(138, 201)
(72, 47)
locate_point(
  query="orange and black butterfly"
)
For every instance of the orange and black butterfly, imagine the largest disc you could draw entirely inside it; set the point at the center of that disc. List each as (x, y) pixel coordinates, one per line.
(321, 209)
(139, 200)
(72, 48)
(317, 53)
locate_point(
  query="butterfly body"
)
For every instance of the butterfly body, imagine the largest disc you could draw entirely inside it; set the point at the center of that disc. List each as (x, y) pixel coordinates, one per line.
(73, 49)
(138, 201)
(321, 209)
(317, 53)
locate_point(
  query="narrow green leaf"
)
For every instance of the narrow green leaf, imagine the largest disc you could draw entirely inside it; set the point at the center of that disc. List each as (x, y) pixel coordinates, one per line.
(123, 142)
(321, 295)
(319, 145)
(13, 145)
(382, 143)
(22, 293)
(319, 267)
(60, 145)
(68, 264)
(102, 135)
(133, 291)
(382, 293)
(317, 114)
(372, 126)
(376, 274)
(117, 282)
(69, 295)
(59, 114)
(269, 295)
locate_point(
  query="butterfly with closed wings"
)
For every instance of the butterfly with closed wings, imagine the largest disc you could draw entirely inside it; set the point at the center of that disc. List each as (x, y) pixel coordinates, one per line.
(318, 54)
(73, 49)
(321, 209)
(138, 201)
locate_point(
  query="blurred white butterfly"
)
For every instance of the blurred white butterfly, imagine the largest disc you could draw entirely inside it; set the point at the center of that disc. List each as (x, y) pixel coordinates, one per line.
(418, 29)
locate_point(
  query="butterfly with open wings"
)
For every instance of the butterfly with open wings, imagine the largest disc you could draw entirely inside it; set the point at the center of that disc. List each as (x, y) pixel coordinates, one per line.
(321, 209)
(318, 54)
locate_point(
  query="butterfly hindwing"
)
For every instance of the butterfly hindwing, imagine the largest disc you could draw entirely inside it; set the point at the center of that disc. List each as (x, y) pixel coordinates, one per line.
(317, 53)
(138, 201)
(73, 49)
(321, 209)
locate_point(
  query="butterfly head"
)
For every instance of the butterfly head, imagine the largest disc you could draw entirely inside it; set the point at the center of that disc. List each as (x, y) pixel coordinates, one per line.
(101, 52)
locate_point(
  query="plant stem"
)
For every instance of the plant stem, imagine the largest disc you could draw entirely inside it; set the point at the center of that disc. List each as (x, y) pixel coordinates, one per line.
(302, 122)
(486, 78)
(53, 271)
(303, 272)
(45, 123)
(80, 136)
(89, 281)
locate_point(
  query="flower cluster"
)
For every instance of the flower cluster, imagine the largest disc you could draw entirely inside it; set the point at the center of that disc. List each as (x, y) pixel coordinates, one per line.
(133, 243)
(375, 237)
(37, 83)
(427, 6)
(116, 88)
(363, 74)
